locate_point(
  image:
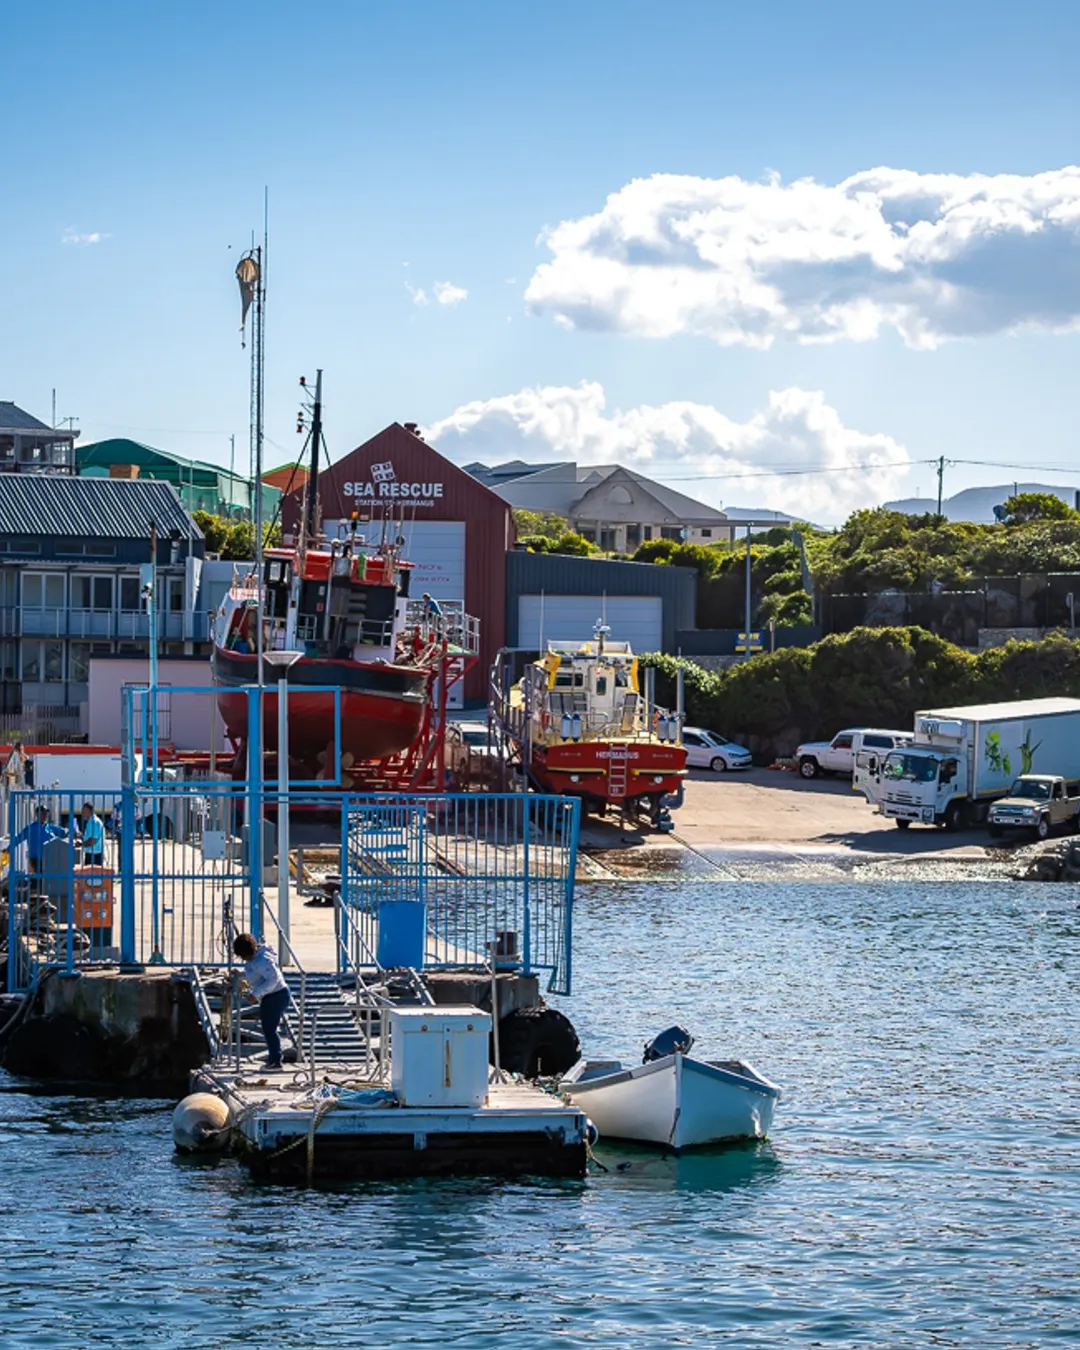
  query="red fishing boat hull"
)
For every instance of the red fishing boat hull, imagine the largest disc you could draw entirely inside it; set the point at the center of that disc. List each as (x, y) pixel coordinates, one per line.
(610, 773)
(382, 707)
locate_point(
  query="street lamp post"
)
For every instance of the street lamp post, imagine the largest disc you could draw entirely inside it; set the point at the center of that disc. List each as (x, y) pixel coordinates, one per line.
(282, 660)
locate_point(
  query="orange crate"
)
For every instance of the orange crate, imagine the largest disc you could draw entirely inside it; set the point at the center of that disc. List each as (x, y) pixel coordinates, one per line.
(93, 897)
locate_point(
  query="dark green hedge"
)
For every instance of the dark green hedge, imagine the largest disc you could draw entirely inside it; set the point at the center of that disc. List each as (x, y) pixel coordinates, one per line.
(869, 677)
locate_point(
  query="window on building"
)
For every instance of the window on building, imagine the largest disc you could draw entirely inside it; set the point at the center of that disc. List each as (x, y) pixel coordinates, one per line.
(130, 599)
(590, 535)
(706, 534)
(671, 532)
(43, 590)
(607, 540)
(647, 530)
(43, 662)
(175, 595)
(87, 548)
(620, 495)
(79, 662)
(89, 592)
(633, 536)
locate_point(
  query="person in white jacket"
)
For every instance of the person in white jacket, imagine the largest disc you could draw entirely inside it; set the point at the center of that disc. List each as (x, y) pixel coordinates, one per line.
(267, 984)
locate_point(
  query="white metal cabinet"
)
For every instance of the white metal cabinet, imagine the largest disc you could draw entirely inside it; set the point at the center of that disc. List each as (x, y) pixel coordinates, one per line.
(439, 1056)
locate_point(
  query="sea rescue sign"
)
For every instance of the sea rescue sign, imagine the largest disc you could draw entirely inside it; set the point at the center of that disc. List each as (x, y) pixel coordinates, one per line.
(383, 486)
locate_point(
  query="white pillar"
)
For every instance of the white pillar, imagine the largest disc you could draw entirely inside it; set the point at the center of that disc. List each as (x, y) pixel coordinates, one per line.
(283, 816)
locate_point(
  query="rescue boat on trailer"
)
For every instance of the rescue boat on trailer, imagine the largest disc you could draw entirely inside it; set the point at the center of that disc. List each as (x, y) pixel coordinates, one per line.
(342, 609)
(582, 726)
(338, 612)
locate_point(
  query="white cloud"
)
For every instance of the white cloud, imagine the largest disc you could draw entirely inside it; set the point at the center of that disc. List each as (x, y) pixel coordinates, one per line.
(934, 256)
(419, 296)
(448, 294)
(72, 236)
(692, 447)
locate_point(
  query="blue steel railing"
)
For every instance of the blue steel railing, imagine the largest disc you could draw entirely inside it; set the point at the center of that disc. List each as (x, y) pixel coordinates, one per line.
(493, 876)
(492, 873)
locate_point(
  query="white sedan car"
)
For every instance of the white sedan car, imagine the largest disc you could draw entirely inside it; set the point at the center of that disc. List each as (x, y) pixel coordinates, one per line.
(710, 750)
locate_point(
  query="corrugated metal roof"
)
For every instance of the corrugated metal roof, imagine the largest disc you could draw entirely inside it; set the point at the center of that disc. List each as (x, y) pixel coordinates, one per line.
(13, 418)
(99, 508)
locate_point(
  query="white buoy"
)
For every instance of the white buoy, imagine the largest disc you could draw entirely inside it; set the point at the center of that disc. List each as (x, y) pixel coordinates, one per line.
(200, 1124)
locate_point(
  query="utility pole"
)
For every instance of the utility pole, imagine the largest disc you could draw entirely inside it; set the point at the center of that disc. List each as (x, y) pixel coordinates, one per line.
(749, 562)
(940, 480)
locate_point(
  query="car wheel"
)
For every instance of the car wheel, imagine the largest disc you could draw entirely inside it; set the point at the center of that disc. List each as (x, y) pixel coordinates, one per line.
(903, 824)
(718, 765)
(1042, 828)
(954, 817)
(809, 767)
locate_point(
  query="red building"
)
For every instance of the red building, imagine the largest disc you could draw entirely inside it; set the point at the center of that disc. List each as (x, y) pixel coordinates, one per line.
(456, 531)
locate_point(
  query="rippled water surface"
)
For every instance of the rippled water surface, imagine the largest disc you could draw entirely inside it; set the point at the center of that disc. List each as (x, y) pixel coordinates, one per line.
(922, 1186)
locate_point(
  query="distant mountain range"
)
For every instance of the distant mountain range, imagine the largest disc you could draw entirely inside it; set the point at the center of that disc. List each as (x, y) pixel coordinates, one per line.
(977, 504)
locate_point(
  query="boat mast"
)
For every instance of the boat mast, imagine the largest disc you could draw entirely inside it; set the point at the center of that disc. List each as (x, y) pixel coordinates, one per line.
(312, 504)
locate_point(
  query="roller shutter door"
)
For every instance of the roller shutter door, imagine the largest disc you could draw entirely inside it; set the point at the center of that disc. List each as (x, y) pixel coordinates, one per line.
(637, 619)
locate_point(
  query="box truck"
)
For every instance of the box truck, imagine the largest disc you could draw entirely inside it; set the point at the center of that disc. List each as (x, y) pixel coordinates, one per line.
(962, 759)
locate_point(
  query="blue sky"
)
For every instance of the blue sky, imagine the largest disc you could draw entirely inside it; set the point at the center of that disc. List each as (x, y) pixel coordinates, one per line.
(449, 137)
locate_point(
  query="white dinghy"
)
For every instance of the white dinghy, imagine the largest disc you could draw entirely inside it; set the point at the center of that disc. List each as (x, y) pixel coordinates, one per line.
(672, 1099)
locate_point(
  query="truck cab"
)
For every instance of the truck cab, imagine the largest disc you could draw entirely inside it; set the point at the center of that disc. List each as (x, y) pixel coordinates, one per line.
(869, 749)
(920, 783)
(1039, 802)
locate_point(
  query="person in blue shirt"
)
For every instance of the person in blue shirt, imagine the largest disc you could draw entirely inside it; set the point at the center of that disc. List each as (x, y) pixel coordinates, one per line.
(36, 835)
(93, 837)
(434, 609)
(267, 985)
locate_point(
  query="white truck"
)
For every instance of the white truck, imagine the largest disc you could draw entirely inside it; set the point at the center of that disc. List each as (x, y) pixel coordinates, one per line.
(962, 759)
(840, 755)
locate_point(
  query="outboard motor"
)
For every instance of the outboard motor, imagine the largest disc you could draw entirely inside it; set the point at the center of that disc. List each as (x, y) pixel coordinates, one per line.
(673, 1041)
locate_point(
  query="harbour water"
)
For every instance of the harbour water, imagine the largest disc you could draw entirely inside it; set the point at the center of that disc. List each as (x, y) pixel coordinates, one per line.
(922, 1186)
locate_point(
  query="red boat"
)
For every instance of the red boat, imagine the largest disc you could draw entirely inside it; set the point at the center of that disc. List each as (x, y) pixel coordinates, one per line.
(342, 613)
(582, 728)
(336, 613)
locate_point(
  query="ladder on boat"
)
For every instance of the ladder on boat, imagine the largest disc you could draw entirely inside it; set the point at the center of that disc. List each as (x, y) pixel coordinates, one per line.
(618, 769)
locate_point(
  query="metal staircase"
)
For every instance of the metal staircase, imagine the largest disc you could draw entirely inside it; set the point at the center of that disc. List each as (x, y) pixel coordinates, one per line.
(340, 1021)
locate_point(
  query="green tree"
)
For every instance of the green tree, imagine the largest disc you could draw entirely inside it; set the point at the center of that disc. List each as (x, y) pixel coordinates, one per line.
(544, 523)
(1026, 507)
(654, 550)
(572, 543)
(239, 542)
(214, 529)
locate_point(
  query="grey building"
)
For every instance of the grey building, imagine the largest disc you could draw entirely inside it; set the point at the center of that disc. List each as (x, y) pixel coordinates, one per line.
(29, 446)
(613, 507)
(71, 550)
(561, 598)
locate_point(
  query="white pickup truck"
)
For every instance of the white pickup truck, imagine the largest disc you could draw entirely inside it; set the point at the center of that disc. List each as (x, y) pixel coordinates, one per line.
(1039, 802)
(838, 755)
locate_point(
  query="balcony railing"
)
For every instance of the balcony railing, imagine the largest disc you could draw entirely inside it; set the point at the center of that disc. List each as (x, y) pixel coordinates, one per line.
(102, 624)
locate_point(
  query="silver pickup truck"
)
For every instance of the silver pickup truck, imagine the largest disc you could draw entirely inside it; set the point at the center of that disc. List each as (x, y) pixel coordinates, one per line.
(1038, 802)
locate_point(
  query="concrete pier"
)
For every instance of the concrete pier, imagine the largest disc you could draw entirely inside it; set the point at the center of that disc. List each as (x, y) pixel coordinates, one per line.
(108, 1027)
